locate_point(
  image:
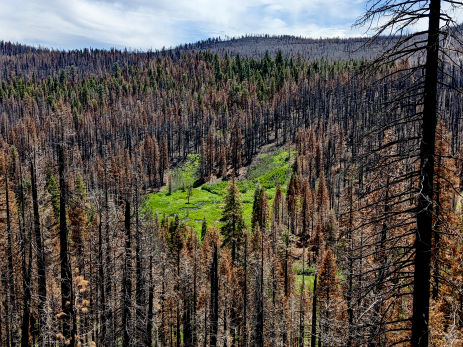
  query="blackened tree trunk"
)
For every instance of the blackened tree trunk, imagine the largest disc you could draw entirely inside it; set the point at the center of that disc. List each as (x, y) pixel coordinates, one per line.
(139, 294)
(245, 294)
(66, 276)
(10, 277)
(350, 269)
(101, 283)
(259, 332)
(26, 271)
(27, 295)
(149, 326)
(313, 338)
(187, 336)
(127, 283)
(42, 284)
(214, 308)
(107, 315)
(194, 328)
(301, 303)
(422, 275)
(162, 335)
(6, 311)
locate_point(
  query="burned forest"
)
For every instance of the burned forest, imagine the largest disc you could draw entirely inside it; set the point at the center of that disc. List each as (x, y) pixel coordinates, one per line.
(329, 174)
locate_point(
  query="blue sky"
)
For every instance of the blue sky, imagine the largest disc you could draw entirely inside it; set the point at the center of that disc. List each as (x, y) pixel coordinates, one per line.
(145, 24)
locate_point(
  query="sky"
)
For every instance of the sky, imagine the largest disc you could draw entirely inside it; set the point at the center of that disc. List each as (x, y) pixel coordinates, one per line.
(153, 24)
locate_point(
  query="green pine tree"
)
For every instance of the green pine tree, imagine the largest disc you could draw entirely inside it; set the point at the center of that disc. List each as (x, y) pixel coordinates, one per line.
(232, 216)
(256, 207)
(203, 229)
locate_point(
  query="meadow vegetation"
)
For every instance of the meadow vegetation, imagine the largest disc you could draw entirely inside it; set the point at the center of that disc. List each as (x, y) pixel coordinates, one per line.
(268, 170)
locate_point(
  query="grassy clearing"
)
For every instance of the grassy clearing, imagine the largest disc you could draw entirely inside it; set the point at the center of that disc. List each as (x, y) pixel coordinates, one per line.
(269, 169)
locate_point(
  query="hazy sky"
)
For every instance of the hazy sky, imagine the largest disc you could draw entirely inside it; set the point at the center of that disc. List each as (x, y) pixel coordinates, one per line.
(144, 24)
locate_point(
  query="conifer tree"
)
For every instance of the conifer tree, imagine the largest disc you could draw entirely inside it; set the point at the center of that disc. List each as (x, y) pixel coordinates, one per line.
(232, 216)
(285, 246)
(307, 210)
(236, 148)
(41, 269)
(203, 228)
(292, 201)
(210, 152)
(203, 163)
(277, 214)
(157, 164)
(164, 158)
(258, 321)
(127, 280)
(328, 298)
(260, 209)
(77, 218)
(214, 297)
(322, 195)
(9, 280)
(66, 274)
(439, 39)
(178, 243)
(347, 223)
(223, 162)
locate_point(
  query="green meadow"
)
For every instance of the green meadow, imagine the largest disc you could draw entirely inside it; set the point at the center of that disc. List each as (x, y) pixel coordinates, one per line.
(268, 169)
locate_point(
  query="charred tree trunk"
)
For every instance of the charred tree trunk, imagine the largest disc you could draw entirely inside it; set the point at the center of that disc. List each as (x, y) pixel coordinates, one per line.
(26, 271)
(194, 328)
(139, 294)
(214, 308)
(301, 305)
(41, 272)
(27, 297)
(313, 338)
(127, 283)
(149, 326)
(245, 294)
(6, 310)
(10, 276)
(259, 332)
(66, 277)
(422, 275)
(102, 287)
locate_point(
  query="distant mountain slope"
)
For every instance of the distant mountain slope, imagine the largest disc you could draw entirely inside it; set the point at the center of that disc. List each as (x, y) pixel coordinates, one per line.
(250, 46)
(257, 45)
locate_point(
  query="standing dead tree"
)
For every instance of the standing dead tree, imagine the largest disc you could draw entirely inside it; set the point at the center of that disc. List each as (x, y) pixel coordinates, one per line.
(424, 57)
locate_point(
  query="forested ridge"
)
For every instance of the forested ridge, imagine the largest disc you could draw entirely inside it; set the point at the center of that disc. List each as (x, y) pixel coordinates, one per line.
(246, 45)
(87, 135)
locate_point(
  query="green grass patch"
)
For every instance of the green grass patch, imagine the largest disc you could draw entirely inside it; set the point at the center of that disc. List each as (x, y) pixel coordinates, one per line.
(207, 199)
(271, 169)
(202, 203)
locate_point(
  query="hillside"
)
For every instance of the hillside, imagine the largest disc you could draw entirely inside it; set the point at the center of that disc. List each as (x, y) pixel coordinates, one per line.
(96, 147)
(290, 46)
(253, 46)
